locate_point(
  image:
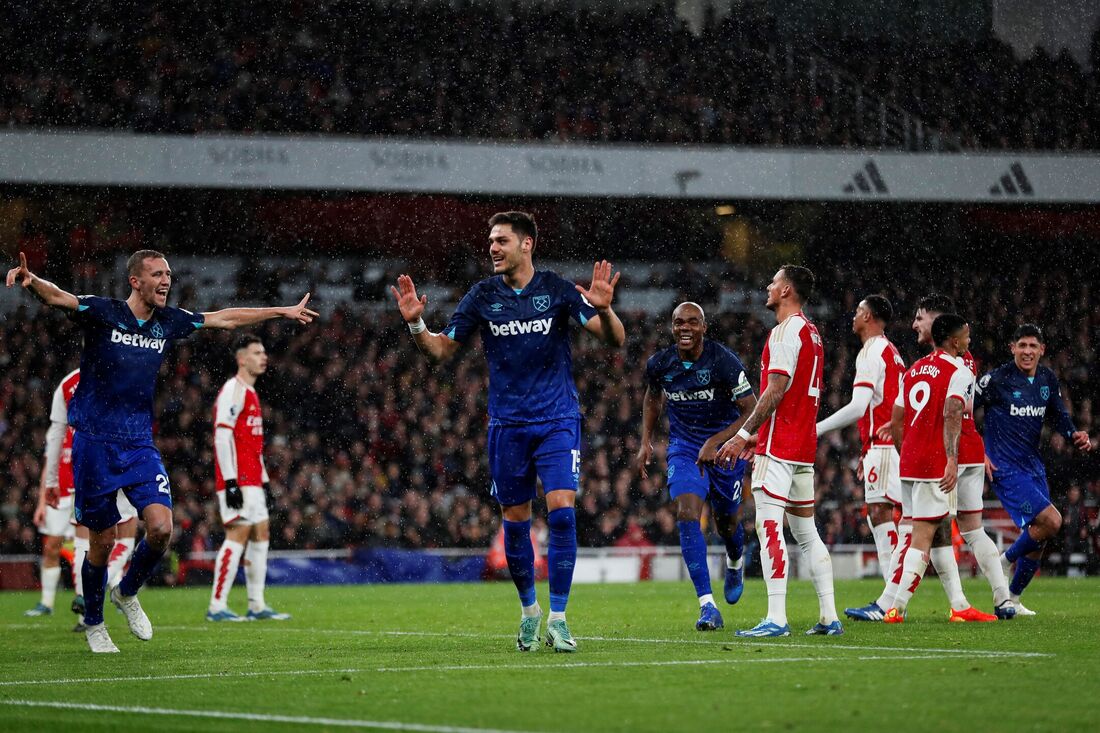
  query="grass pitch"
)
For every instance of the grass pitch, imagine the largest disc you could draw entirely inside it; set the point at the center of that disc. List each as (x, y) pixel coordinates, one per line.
(442, 658)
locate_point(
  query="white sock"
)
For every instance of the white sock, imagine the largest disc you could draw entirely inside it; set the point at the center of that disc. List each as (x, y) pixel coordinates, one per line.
(80, 551)
(821, 565)
(886, 539)
(533, 610)
(120, 555)
(255, 574)
(49, 577)
(773, 558)
(556, 616)
(705, 599)
(916, 562)
(947, 567)
(897, 564)
(225, 572)
(989, 560)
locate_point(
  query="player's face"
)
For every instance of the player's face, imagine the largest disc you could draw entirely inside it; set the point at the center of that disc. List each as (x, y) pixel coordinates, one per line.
(254, 359)
(775, 290)
(962, 340)
(862, 316)
(507, 250)
(154, 282)
(688, 328)
(922, 324)
(1027, 352)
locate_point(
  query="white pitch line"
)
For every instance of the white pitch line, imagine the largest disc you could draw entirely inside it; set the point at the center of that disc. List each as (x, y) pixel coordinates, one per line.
(195, 676)
(256, 717)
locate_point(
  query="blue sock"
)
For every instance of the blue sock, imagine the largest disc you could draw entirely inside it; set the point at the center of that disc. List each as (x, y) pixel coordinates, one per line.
(1025, 571)
(142, 564)
(561, 555)
(694, 548)
(95, 590)
(1024, 545)
(735, 545)
(521, 559)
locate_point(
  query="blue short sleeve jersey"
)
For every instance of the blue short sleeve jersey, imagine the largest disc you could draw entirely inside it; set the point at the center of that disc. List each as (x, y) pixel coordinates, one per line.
(701, 396)
(119, 365)
(1015, 408)
(526, 340)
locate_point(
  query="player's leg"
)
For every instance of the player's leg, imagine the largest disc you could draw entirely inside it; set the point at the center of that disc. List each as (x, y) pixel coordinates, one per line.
(879, 475)
(80, 552)
(1026, 498)
(49, 574)
(725, 504)
(693, 548)
(942, 555)
(876, 610)
(971, 485)
(771, 484)
(226, 562)
(255, 568)
(917, 554)
(513, 477)
(800, 517)
(125, 538)
(557, 459)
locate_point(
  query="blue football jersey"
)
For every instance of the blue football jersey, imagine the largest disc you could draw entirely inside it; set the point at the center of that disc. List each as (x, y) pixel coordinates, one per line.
(119, 365)
(701, 396)
(526, 340)
(1015, 408)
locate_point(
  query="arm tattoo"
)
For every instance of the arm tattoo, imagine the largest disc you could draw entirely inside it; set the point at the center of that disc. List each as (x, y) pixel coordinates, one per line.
(770, 400)
(952, 427)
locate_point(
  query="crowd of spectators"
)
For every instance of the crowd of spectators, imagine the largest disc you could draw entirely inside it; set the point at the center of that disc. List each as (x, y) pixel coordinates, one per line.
(369, 446)
(480, 70)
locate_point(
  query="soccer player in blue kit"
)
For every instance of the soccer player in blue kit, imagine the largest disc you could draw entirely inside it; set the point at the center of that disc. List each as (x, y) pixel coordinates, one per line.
(112, 414)
(534, 412)
(1016, 397)
(709, 397)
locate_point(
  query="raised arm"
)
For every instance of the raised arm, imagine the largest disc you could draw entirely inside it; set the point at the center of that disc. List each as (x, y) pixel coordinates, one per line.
(43, 290)
(769, 400)
(230, 318)
(652, 405)
(436, 346)
(606, 324)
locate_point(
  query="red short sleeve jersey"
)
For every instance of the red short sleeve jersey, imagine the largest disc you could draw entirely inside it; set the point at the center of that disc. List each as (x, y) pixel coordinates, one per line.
(925, 391)
(59, 412)
(794, 348)
(879, 367)
(238, 409)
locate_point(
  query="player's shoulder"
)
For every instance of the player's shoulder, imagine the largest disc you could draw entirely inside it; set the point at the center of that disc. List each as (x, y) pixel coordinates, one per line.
(1046, 374)
(720, 352)
(69, 379)
(100, 302)
(661, 358)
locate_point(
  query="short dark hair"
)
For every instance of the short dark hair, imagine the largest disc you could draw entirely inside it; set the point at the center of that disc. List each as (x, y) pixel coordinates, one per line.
(1028, 329)
(245, 340)
(137, 259)
(945, 326)
(522, 223)
(880, 308)
(802, 279)
(936, 303)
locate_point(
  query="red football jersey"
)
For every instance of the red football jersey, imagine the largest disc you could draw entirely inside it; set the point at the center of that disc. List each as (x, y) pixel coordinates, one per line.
(238, 408)
(971, 445)
(793, 348)
(59, 412)
(925, 390)
(879, 367)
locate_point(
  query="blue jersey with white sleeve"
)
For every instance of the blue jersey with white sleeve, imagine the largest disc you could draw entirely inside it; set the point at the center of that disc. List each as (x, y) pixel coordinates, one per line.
(1015, 408)
(700, 396)
(119, 365)
(526, 340)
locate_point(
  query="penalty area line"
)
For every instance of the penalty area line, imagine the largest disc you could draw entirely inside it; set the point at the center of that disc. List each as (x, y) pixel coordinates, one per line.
(255, 717)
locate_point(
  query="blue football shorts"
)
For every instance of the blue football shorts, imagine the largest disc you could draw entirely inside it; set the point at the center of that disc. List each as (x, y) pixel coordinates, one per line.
(519, 453)
(720, 486)
(1023, 494)
(101, 468)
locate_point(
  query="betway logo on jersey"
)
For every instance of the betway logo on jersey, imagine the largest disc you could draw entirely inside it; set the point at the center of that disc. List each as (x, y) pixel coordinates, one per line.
(518, 328)
(1027, 411)
(697, 395)
(136, 339)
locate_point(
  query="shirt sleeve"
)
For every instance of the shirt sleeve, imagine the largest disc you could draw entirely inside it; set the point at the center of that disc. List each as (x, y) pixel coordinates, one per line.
(579, 308)
(869, 370)
(59, 411)
(738, 378)
(652, 379)
(465, 320)
(55, 437)
(961, 385)
(783, 347)
(229, 406)
(93, 308)
(1063, 423)
(179, 323)
(984, 391)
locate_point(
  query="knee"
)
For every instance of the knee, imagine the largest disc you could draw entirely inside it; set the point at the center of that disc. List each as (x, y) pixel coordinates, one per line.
(687, 514)
(561, 520)
(880, 513)
(158, 533)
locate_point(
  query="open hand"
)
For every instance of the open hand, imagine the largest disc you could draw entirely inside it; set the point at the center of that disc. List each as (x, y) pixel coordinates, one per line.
(410, 305)
(602, 289)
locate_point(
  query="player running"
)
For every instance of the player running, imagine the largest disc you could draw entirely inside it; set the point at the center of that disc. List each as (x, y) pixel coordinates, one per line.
(709, 397)
(1017, 397)
(534, 413)
(112, 414)
(242, 484)
(927, 424)
(786, 447)
(879, 367)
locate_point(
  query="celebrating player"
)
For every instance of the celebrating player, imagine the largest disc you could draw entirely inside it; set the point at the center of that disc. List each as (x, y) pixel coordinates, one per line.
(878, 373)
(709, 397)
(927, 422)
(786, 447)
(1017, 397)
(242, 483)
(112, 414)
(534, 413)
